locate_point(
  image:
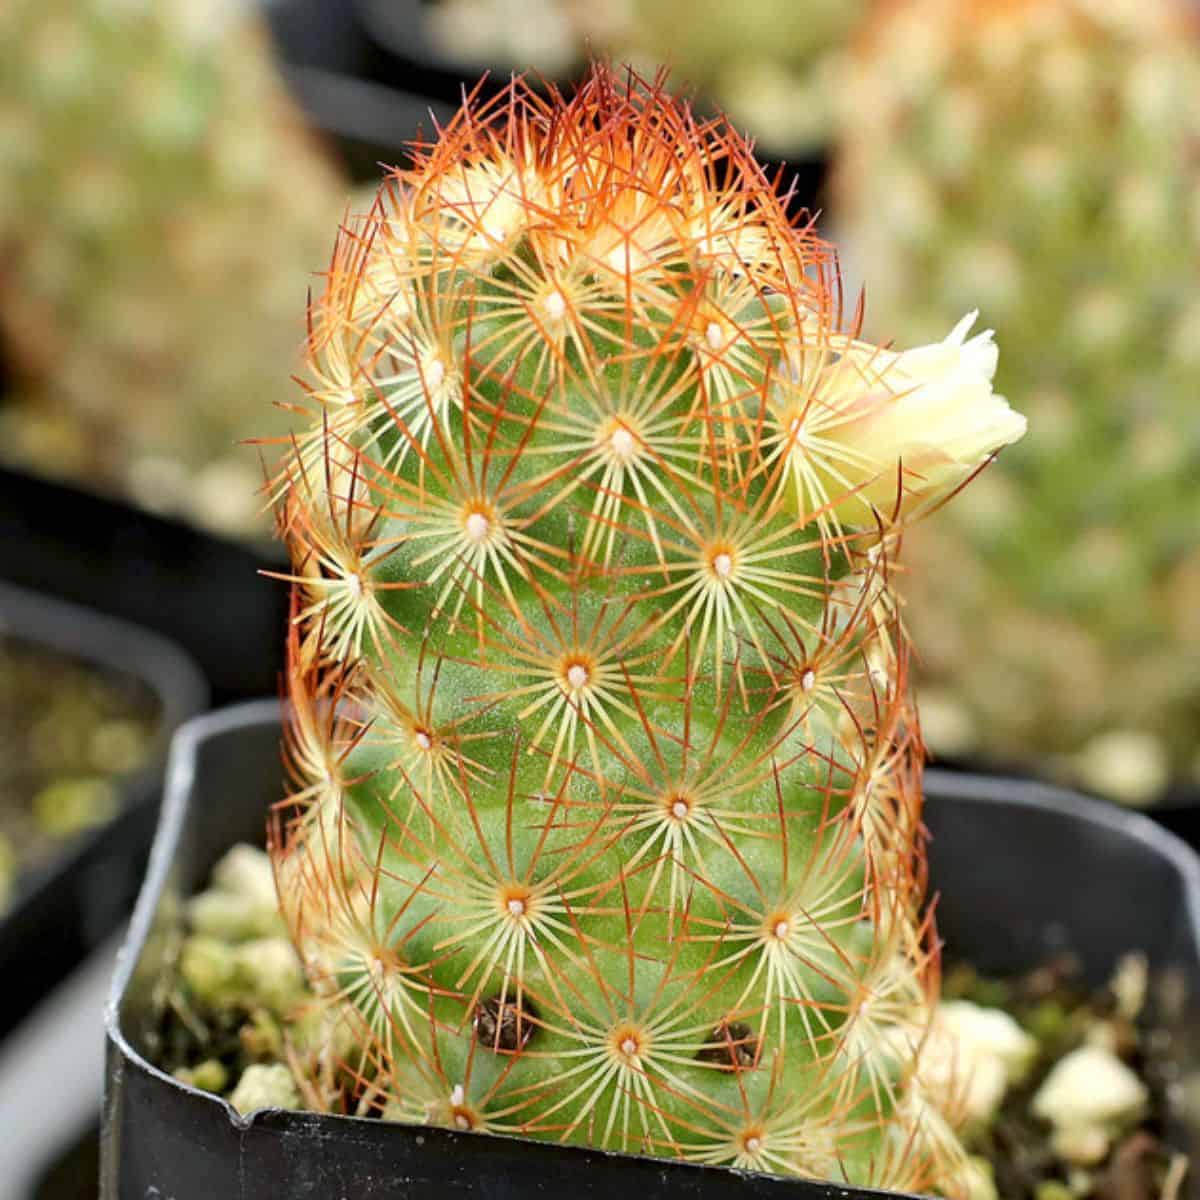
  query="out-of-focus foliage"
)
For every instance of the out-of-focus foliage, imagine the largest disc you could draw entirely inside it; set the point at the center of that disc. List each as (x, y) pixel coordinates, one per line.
(1041, 158)
(161, 217)
(770, 63)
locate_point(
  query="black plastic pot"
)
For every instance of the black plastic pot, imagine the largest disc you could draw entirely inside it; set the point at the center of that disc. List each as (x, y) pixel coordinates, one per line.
(350, 90)
(204, 593)
(73, 1174)
(398, 32)
(1179, 811)
(1177, 808)
(65, 908)
(368, 123)
(1024, 870)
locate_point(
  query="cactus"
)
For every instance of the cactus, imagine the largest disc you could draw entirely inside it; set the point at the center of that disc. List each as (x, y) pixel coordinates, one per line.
(69, 731)
(160, 199)
(1039, 157)
(605, 825)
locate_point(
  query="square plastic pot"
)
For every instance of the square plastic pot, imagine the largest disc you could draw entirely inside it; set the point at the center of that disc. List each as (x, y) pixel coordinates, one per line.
(1023, 870)
(66, 907)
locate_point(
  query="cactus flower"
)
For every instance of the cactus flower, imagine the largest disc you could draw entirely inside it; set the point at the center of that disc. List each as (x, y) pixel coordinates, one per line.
(881, 432)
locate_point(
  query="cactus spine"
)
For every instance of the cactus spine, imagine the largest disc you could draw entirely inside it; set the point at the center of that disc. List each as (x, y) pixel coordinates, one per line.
(1039, 158)
(606, 817)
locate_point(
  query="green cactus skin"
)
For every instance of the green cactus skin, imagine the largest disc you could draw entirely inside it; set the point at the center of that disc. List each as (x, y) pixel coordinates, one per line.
(160, 200)
(1040, 157)
(606, 817)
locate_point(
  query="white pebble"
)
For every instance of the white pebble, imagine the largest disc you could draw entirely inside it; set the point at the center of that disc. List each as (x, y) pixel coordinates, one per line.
(1090, 1086)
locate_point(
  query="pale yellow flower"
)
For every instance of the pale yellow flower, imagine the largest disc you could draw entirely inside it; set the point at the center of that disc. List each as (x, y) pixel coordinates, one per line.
(877, 433)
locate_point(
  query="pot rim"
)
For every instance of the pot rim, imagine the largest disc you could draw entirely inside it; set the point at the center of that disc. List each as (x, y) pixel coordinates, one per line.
(112, 644)
(198, 589)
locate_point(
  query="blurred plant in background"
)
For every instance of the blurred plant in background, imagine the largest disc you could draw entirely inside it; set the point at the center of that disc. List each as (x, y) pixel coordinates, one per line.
(769, 63)
(162, 212)
(1041, 158)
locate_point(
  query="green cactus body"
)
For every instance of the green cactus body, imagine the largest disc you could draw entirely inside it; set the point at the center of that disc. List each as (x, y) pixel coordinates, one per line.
(605, 826)
(160, 199)
(1039, 157)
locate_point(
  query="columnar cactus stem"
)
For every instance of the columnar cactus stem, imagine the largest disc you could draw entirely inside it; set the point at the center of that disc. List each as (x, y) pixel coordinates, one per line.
(606, 826)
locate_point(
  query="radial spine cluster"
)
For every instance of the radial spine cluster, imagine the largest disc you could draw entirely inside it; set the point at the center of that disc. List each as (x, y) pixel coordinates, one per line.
(605, 826)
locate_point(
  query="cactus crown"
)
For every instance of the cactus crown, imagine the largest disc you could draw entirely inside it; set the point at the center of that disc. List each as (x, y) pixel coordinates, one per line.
(605, 826)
